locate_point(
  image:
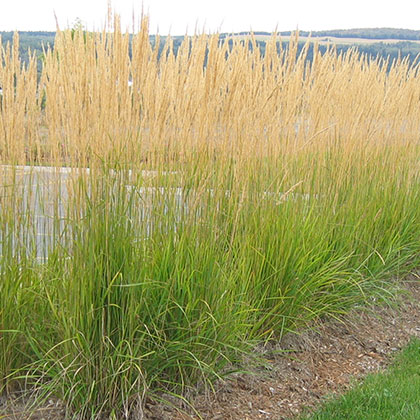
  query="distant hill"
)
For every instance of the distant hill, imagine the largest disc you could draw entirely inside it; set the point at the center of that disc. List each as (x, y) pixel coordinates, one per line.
(32, 40)
(371, 33)
(383, 42)
(375, 42)
(359, 33)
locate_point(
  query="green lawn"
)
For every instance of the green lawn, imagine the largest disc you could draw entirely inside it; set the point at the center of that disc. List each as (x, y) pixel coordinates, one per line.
(394, 394)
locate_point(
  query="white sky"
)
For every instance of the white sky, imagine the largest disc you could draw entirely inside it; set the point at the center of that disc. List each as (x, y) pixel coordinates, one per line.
(178, 16)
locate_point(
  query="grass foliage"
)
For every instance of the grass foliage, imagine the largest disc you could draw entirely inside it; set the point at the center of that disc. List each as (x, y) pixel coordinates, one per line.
(175, 210)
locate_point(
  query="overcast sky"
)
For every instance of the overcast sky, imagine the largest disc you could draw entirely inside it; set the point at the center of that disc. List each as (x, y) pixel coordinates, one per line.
(179, 16)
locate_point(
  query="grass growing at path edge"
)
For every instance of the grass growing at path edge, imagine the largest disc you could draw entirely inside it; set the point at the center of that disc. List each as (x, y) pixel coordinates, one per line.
(391, 395)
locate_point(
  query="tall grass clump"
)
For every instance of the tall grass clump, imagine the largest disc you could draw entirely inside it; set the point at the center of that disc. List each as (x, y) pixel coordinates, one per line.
(161, 213)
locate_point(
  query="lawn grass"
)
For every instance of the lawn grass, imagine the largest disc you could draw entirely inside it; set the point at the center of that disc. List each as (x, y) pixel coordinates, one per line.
(391, 395)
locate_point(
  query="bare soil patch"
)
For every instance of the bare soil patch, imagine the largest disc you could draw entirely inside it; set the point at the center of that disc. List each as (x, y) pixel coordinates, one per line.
(301, 370)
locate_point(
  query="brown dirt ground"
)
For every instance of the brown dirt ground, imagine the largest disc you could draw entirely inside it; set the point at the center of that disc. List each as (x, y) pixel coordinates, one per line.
(302, 369)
